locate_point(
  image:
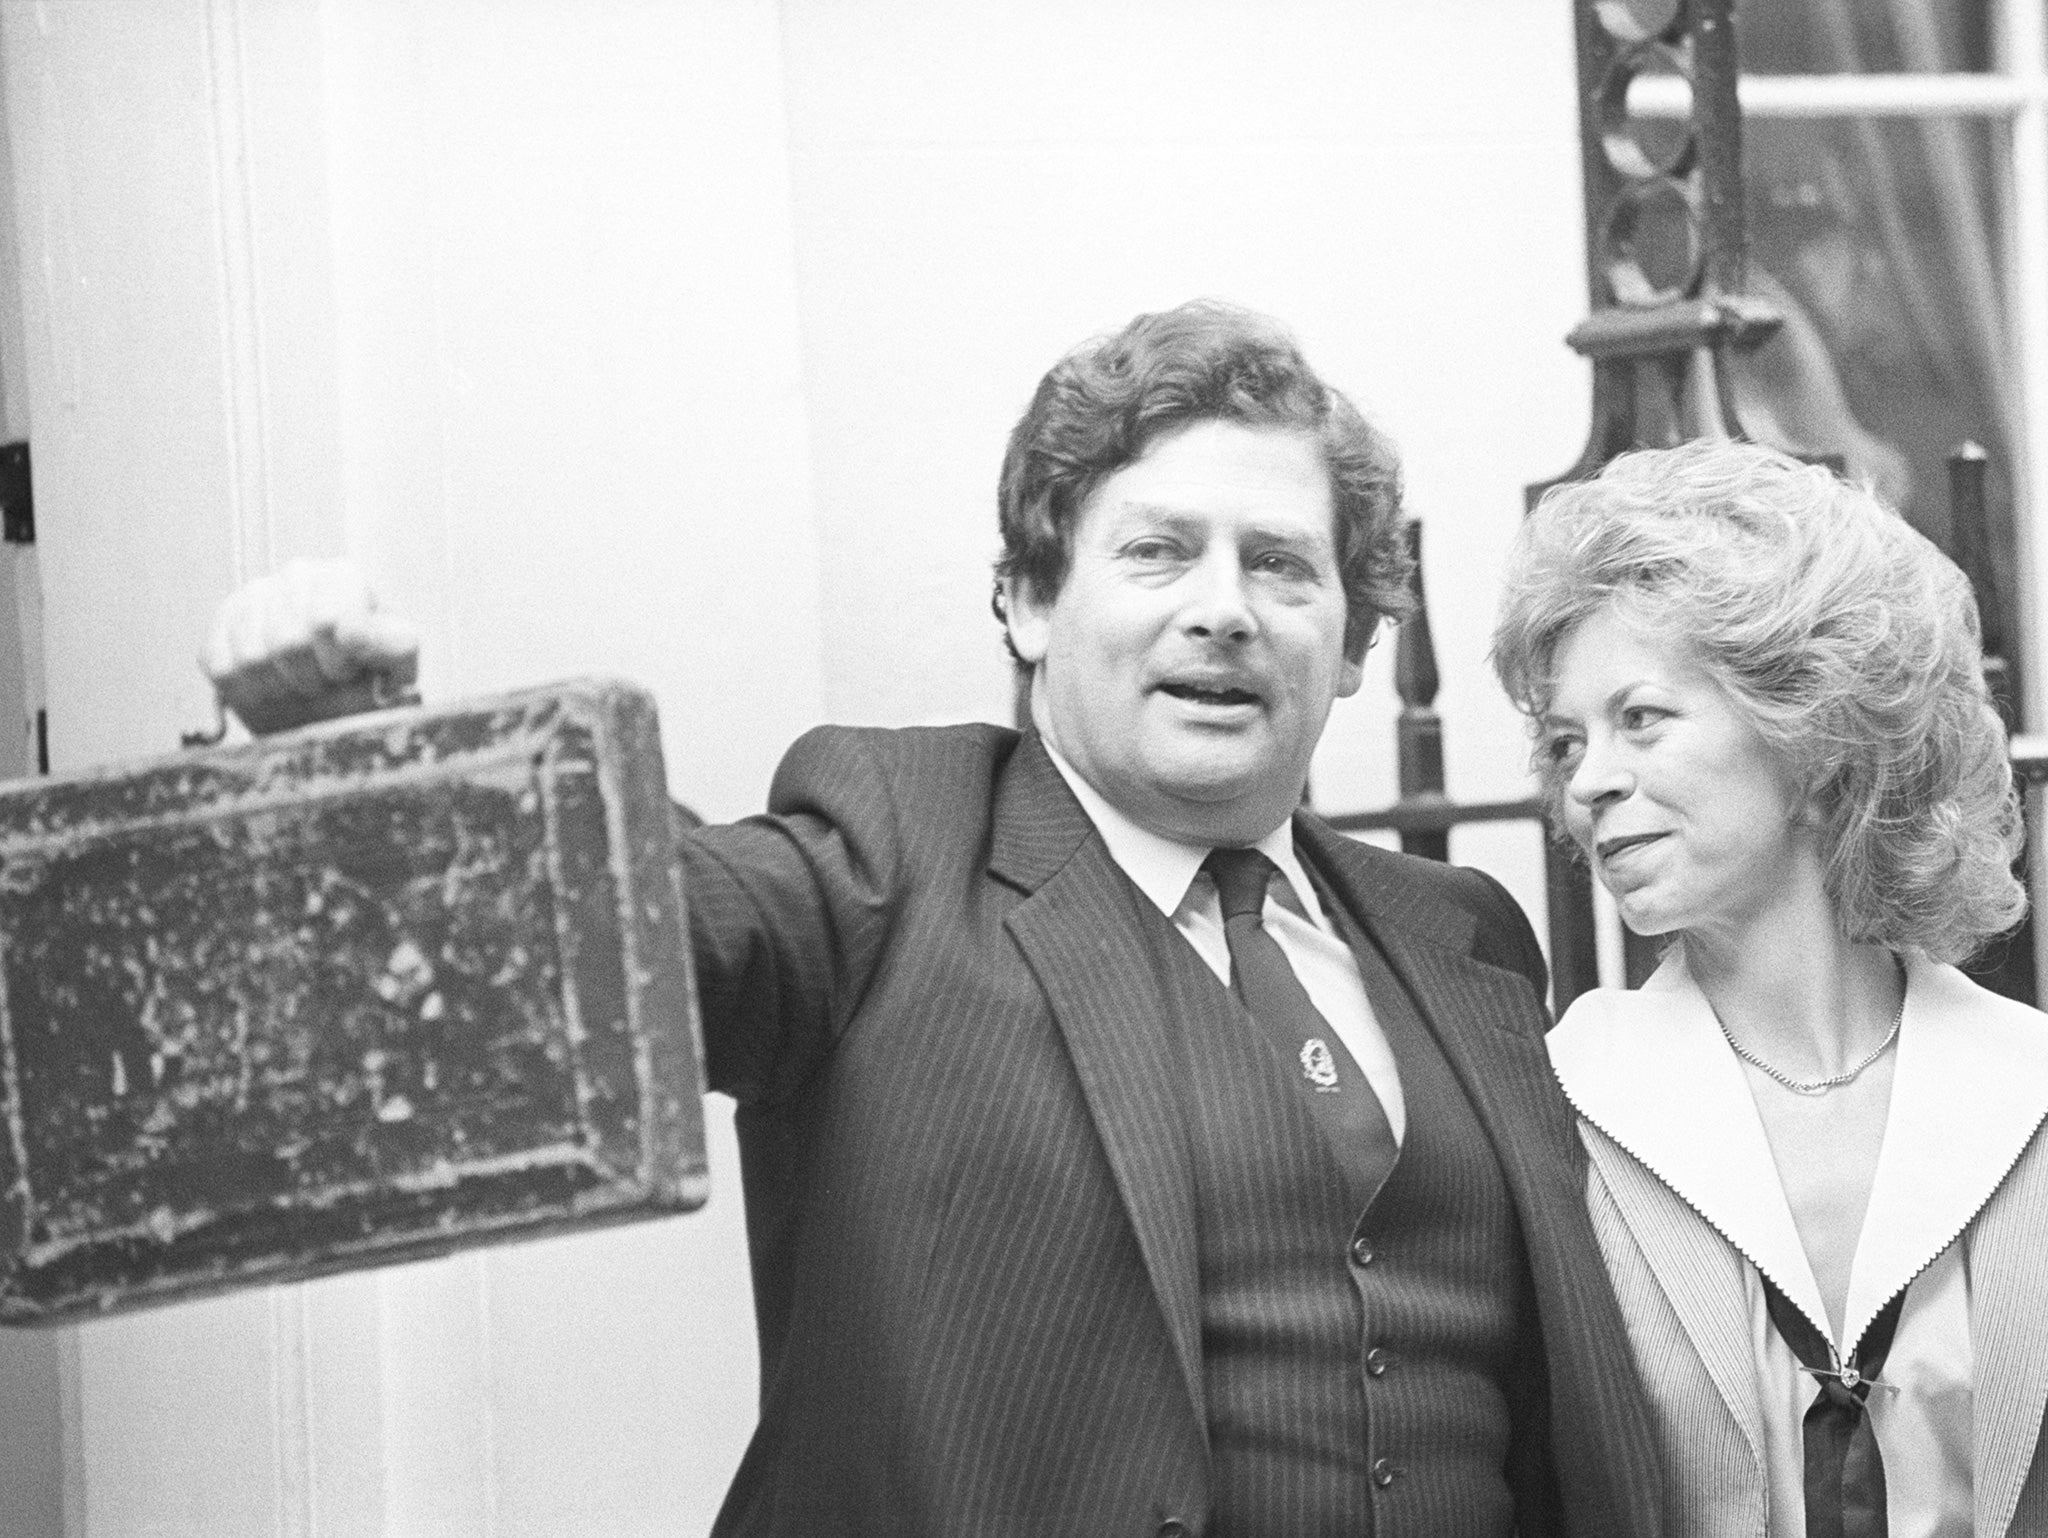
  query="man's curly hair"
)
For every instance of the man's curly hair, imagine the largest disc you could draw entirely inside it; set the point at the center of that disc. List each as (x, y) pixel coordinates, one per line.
(1108, 401)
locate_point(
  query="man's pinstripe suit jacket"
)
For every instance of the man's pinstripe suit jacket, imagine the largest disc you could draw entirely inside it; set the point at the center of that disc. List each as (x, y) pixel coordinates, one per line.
(968, 1201)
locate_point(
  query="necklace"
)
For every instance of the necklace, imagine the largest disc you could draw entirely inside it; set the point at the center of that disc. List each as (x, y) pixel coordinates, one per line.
(1816, 1086)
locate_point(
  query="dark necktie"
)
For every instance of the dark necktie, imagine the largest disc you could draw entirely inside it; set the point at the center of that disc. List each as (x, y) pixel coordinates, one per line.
(1315, 1058)
(1844, 1471)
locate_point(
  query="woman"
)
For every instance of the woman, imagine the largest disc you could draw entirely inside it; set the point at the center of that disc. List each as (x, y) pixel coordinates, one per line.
(1760, 711)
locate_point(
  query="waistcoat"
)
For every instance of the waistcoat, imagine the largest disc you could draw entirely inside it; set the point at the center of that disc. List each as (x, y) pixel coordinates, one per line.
(1356, 1364)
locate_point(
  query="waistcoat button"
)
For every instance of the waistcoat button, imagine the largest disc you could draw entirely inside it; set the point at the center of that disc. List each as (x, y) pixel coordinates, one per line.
(1173, 1527)
(1361, 1251)
(1378, 1360)
(1383, 1472)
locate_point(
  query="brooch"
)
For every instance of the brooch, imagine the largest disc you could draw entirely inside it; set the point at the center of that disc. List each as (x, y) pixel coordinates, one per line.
(1318, 1065)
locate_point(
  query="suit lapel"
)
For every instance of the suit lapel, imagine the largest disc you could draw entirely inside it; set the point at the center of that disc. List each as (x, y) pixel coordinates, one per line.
(1501, 1067)
(2008, 1307)
(1963, 1146)
(1686, 1185)
(1700, 1275)
(1077, 931)
(1486, 1020)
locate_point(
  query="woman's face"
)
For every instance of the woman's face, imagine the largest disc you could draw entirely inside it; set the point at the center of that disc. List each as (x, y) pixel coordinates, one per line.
(1688, 817)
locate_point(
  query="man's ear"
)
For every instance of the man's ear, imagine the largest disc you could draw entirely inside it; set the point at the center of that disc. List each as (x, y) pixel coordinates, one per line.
(1030, 622)
(1353, 674)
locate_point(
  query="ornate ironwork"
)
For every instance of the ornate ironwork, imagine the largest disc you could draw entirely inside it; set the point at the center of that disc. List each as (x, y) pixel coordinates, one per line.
(1665, 250)
(1969, 522)
(1665, 258)
(1424, 815)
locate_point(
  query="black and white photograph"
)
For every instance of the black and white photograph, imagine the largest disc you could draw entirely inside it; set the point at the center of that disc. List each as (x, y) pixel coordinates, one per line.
(1023, 768)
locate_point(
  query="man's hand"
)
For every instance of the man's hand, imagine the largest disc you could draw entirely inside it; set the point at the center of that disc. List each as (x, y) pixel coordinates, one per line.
(307, 643)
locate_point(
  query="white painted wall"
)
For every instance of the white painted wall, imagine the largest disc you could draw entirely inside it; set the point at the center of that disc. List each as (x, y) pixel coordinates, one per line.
(499, 299)
(680, 341)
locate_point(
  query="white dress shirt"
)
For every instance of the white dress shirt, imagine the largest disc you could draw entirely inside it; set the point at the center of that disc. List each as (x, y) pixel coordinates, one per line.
(1170, 875)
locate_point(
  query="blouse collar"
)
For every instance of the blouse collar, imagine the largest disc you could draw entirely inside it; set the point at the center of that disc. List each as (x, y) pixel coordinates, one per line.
(1652, 1070)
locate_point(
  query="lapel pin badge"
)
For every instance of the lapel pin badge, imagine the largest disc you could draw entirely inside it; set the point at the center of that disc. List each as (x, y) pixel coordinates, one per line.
(1318, 1065)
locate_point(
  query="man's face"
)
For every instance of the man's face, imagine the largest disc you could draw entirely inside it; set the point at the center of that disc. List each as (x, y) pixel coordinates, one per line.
(1190, 660)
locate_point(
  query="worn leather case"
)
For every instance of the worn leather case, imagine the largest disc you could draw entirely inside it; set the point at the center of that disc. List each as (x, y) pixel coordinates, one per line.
(375, 989)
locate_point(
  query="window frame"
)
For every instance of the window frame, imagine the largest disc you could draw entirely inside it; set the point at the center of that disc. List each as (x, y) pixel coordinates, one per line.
(2014, 91)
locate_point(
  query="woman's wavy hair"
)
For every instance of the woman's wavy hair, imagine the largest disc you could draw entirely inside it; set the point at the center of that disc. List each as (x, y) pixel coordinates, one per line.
(1846, 638)
(1103, 405)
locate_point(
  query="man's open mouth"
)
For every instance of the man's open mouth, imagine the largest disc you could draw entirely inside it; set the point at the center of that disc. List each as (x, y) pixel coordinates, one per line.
(1201, 696)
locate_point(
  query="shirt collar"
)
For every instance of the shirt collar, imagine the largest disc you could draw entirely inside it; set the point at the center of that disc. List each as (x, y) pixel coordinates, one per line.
(1164, 868)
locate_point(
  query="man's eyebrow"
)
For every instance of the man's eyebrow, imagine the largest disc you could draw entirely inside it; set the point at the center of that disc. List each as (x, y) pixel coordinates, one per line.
(1137, 517)
(1303, 537)
(1172, 516)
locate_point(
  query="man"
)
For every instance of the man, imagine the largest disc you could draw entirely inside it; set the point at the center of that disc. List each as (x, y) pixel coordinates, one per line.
(1053, 1230)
